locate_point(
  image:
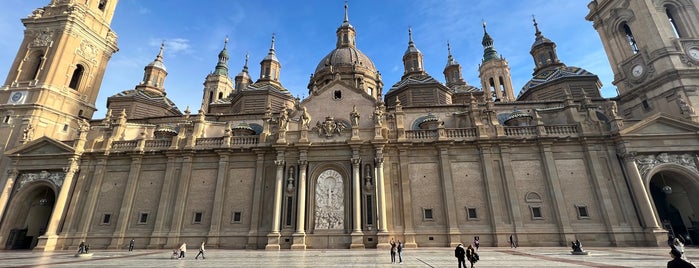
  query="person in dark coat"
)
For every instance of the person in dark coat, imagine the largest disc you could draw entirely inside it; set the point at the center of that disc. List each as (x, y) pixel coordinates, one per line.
(460, 255)
(131, 244)
(393, 251)
(677, 260)
(471, 255)
(399, 248)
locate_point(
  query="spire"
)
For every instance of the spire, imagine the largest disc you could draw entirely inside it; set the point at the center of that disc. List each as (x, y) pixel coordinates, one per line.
(489, 51)
(452, 72)
(247, 57)
(271, 55)
(222, 65)
(243, 79)
(450, 58)
(160, 54)
(346, 16)
(158, 62)
(543, 51)
(154, 73)
(412, 58)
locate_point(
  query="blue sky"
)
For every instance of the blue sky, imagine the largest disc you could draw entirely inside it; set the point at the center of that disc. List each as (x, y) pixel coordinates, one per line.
(194, 32)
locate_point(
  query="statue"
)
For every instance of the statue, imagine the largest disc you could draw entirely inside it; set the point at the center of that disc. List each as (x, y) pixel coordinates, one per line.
(354, 115)
(283, 120)
(378, 116)
(83, 125)
(612, 109)
(27, 133)
(685, 108)
(305, 119)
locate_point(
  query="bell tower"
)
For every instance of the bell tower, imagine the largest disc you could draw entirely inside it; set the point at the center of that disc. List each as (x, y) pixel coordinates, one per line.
(653, 49)
(55, 78)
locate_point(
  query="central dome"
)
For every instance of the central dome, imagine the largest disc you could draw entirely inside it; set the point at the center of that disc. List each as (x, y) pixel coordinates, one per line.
(345, 57)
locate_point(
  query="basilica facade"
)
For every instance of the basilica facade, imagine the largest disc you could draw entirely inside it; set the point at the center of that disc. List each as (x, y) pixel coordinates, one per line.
(356, 163)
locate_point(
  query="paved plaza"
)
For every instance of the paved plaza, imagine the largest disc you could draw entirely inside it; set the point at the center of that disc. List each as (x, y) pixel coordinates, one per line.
(423, 257)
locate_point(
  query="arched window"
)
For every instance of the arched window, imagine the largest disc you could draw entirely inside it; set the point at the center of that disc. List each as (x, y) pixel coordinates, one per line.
(31, 67)
(671, 13)
(211, 97)
(77, 76)
(502, 85)
(220, 95)
(630, 38)
(492, 84)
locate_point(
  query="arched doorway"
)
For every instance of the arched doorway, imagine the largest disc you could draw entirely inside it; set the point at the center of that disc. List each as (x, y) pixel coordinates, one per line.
(29, 217)
(673, 195)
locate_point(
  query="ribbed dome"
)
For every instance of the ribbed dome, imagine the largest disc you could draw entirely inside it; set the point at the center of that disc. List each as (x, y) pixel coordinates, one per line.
(345, 57)
(157, 64)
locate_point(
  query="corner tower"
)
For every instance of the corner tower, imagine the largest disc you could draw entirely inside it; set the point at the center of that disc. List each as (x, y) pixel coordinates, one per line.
(495, 72)
(55, 77)
(653, 50)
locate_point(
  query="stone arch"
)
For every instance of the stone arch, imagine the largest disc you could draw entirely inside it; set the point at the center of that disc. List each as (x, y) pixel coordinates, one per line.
(673, 190)
(29, 210)
(320, 179)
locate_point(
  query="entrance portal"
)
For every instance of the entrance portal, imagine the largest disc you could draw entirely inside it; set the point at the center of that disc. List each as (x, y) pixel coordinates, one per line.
(673, 193)
(29, 218)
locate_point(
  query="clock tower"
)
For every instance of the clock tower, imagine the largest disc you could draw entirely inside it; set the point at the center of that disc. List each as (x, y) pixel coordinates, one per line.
(55, 78)
(653, 49)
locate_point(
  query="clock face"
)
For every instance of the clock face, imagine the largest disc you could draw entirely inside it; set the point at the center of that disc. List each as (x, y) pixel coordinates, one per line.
(637, 71)
(694, 53)
(16, 96)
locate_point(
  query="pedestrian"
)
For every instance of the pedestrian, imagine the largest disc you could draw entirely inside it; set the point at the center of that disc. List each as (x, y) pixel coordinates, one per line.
(677, 260)
(678, 244)
(477, 242)
(399, 248)
(512, 242)
(81, 248)
(393, 251)
(201, 251)
(460, 255)
(131, 243)
(183, 249)
(471, 255)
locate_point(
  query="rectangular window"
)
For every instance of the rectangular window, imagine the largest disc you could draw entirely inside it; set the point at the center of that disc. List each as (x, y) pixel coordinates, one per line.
(197, 217)
(645, 104)
(582, 212)
(237, 217)
(289, 210)
(65, 127)
(143, 218)
(106, 218)
(471, 214)
(369, 210)
(7, 119)
(427, 214)
(536, 213)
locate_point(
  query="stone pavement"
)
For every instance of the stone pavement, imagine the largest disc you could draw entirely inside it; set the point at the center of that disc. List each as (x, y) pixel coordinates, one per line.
(423, 257)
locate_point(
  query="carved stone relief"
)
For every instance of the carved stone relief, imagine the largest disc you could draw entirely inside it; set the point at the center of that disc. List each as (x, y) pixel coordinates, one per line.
(329, 205)
(42, 39)
(55, 177)
(647, 162)
(88, 51)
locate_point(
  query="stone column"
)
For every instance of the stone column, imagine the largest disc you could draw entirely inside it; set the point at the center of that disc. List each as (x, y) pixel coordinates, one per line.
(407, 201)
(257, 201)
(656, 236)
(6, 192)
(274, 236)
(638, 189)
(164, 204)
(47, 242)
(219, 197)
(300, 235)
(556, 191)
(449, 201)
(357, 235)
(180, 201)
(127, 203)
(596, 170)
(493, 194)
(508, 179)
(381, 197)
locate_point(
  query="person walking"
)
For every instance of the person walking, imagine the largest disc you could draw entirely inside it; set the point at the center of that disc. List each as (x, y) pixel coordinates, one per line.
(183, 250)
(476, 242)
(677, 260)
(393, 251)
(512, 242)
(201, 251)
(460, 255)
(399, 249)
(471, 255)
(131, 244)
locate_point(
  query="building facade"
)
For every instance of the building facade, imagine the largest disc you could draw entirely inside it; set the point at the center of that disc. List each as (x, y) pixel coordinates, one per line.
(354, 165)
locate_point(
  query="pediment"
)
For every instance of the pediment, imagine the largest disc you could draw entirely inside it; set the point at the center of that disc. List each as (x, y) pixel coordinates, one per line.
(660, 124)
(41, 146)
